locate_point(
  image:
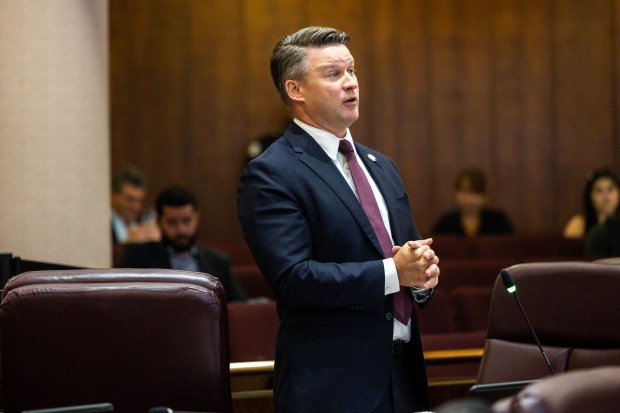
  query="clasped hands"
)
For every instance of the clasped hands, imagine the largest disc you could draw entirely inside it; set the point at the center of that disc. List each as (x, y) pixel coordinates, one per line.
(416, 264)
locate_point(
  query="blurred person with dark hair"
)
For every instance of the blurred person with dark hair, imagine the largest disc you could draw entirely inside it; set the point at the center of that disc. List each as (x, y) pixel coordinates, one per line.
(129, 221)
(472, 217)
(178, 219)
(601, 200)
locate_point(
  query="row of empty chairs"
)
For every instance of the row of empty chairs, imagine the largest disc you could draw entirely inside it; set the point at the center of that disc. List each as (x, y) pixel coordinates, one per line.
(526, 247)
(458, 315)
(144, 338)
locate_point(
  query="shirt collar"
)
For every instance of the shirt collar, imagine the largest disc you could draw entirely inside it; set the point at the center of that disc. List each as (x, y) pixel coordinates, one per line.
(326, 140)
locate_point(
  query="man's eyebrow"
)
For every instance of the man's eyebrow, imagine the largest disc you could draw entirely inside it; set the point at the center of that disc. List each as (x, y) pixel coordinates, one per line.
(329, 65)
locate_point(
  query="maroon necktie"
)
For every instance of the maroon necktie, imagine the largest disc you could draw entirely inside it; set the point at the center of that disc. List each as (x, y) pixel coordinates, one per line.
(402, 301)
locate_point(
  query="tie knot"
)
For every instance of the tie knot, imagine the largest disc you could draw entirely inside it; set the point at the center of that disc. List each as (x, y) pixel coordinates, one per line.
(345, 147)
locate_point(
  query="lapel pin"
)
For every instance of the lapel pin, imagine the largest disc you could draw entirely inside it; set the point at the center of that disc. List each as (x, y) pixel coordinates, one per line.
(372, 157)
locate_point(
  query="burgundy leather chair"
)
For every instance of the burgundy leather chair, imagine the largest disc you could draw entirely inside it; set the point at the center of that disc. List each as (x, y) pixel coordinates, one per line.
(472, 307)
(591, 390)
(252, 331)
(575, 311)
(134, 338)
(438, 317)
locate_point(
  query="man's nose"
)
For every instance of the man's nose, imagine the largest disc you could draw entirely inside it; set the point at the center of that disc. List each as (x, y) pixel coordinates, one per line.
(350, 81)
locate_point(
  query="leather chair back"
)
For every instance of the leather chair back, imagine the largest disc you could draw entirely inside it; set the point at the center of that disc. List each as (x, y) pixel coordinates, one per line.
(574, 309)
(253, 328)
(134, 338)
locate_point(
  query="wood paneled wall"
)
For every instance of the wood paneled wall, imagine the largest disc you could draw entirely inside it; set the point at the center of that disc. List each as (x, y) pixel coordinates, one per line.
(526, 89)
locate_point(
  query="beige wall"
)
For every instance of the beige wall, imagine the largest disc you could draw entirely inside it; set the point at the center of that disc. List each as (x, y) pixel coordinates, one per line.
(54, 131)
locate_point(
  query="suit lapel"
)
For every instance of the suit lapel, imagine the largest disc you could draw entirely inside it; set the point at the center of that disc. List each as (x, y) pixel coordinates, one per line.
(315, 158)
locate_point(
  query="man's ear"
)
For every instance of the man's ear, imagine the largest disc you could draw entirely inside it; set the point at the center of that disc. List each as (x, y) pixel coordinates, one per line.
(293, 90)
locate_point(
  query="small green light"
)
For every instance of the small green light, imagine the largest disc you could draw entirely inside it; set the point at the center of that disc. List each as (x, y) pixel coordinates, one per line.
(512, 289)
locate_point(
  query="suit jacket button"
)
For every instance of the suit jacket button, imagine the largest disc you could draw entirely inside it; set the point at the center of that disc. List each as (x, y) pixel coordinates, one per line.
(388, 316)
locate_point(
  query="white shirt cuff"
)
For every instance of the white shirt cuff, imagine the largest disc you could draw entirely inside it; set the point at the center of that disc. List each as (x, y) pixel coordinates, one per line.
(391, 276)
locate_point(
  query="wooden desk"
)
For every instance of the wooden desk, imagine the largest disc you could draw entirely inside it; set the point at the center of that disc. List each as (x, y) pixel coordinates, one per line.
(252, 381)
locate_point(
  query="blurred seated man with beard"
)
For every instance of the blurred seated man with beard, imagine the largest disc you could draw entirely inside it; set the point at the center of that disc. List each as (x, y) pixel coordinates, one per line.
(178, 218)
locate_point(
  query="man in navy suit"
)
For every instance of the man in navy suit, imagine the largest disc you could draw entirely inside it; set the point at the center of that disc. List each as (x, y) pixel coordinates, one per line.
(339, 346)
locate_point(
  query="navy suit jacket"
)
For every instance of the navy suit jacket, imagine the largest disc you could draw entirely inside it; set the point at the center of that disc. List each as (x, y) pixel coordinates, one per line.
(318, 251)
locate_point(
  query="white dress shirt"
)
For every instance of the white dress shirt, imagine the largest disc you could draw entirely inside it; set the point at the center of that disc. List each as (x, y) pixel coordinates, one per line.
(330, 143)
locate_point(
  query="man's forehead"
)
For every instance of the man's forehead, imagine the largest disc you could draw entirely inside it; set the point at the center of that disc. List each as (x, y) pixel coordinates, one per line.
(129, 188)
(330, 55)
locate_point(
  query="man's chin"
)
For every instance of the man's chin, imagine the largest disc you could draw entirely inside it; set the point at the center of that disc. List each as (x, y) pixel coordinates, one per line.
(352, 117)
